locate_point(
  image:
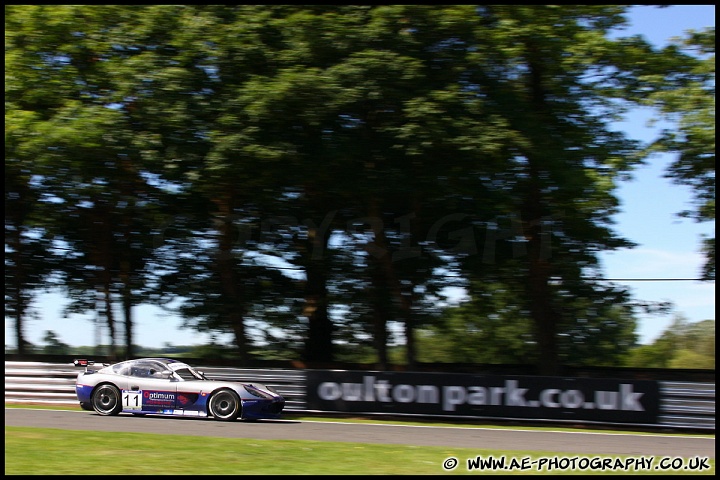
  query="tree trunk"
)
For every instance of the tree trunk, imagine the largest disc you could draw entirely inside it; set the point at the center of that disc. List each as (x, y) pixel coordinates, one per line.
(20, 303)
(127, 312)
(318, 344)
(539, 267)
(107, 298)
(400, 299)
(381, 306)
(541, 309)
(231, 286)
(410, 344)
(237, 321)
(127, 303)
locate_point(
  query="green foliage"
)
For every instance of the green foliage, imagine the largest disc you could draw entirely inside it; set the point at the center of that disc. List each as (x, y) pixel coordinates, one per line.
(689, 100)
(682, 345)
(656, 355)
(465, 336)
(213, 351)
(53, 346)
(692, 359)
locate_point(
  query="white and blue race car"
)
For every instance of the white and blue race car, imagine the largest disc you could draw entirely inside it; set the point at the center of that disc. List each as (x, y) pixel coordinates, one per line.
(165, 386)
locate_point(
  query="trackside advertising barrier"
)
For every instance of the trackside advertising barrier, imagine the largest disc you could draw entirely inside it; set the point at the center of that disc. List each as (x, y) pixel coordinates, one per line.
(508, 397)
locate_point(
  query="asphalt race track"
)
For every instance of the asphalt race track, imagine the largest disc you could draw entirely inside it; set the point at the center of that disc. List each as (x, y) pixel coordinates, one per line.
(554, 442)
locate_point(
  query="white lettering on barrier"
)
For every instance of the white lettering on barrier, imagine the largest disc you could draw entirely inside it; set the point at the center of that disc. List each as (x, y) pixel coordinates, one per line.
(373, 390)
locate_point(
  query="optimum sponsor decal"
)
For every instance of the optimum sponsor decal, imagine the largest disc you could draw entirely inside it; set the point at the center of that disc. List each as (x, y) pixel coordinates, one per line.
(158, 398)
(480, 395)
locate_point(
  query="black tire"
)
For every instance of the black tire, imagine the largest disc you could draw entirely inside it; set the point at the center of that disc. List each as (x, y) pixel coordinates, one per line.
(224, 405)
(86, 406)
(106, 400)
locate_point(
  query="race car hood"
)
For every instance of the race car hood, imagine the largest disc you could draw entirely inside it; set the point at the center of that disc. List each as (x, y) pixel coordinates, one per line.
(242, 388)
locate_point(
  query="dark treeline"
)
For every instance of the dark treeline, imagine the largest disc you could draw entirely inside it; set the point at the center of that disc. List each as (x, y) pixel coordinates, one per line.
(682, 346)
(312, 179)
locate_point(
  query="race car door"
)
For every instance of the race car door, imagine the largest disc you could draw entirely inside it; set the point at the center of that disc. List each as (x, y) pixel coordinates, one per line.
(148, 389)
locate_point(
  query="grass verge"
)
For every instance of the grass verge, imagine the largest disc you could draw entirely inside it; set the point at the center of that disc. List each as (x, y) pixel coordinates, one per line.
(47, 451)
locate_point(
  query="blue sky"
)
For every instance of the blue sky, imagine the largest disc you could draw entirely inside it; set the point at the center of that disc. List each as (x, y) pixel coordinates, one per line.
(668, 246)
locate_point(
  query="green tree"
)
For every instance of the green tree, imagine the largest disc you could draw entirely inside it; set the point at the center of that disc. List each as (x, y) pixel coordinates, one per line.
(691, 359)
(682, 345)
(656, 355)
(53, 345)
(492, 328)
(29, 263)
(688, 101)
(83, 150)
(29, 259)
(562, 160)
(488, 328)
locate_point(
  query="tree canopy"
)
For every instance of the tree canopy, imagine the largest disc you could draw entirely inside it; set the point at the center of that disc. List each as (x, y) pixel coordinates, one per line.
(312, 178)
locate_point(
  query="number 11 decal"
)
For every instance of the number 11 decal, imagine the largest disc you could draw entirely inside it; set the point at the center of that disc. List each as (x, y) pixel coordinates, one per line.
(132, 400)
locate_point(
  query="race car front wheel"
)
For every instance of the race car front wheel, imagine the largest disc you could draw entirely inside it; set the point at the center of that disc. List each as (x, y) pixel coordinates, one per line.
(106, 400)
(225, 405)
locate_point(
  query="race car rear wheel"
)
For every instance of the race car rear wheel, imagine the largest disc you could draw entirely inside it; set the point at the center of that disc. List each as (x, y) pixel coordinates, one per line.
(106, 400)
(225, 405)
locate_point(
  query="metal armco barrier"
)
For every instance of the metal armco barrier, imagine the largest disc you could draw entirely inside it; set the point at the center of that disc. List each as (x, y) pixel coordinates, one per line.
(682, 405)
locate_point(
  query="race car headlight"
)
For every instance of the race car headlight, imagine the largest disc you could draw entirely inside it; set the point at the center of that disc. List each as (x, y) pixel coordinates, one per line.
(256, 392)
